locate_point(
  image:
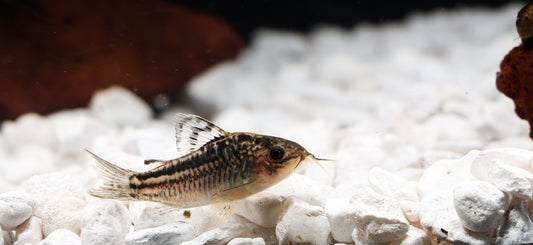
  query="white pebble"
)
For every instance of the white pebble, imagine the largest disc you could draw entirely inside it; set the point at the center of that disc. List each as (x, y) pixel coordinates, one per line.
(18, 196)
(445, 175)
(173, 233)
(415, 236)
(518, 228)
(513, 180)
(510, 156)
(303, 223)
(61, 237)
(104, 222)
(29, 232)
(341, 219)
(379, 219)
(396, 187)
(303, 188)
(45, 186)
(263, 208)
(218, 236)
(438, 216)
(12, 214)
(61, 213)
(119, 106)
(480, 205)
(247, 241)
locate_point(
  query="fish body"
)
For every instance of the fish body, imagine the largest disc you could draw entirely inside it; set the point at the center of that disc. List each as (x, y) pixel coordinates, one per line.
(218, 167)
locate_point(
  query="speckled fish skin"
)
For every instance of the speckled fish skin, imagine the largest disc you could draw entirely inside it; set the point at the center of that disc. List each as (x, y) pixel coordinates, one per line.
(230, 166)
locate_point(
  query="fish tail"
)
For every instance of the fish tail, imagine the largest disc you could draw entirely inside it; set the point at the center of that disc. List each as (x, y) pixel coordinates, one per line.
(116, 183)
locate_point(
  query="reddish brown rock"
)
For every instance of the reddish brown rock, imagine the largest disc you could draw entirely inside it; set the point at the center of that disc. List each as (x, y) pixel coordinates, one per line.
(515, 78)
(54, 54)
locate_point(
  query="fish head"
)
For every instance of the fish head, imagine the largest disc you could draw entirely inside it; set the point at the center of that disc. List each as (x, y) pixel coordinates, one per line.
(279, 157)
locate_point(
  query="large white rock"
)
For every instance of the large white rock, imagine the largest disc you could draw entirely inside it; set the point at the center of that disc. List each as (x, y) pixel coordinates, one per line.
(513, 180)
(480, 205)
(219, 236)
(119, 106)
(379, 218)
(19, 196)
(445, 175)
(303, 188)
(510, 156)
(398, 188)
(104, 222)
(341, 219)
(60, 199)
(303, 223)
(59, 184)
(61, 213)
(438, 216)
(247, 241)
(29, 232)
(518, 228)
(263, 208)
(61, 237)
(173, 233)
(12, 214)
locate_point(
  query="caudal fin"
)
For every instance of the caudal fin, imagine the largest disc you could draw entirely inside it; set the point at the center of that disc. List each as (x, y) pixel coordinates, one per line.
(116, 183)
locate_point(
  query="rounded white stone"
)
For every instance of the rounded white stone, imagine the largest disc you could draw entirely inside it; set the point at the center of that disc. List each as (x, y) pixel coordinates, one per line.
(480, 205)
(29, 232)
(379, 218)
(513, 180)
(61, 213)
(518, 228)
(247, 241)
(445, 175)
(104, 222)
(303, 223)
(341, 219)
(119, 106)
(510, 156)
(398, 188)
(263, 208)
(12, 214)
(18, 196)
(61, 237)
(174, 233)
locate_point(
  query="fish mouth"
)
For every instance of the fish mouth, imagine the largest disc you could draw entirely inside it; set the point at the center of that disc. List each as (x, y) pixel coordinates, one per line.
(315, 159)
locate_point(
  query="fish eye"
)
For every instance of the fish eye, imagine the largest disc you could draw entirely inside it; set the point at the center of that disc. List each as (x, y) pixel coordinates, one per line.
(277, 153)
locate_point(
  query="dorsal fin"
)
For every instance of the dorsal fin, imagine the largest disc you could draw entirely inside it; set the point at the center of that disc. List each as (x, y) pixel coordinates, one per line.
(192, 132)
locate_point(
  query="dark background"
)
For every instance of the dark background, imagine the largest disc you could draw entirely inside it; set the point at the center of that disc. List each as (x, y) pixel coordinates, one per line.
(246, 16)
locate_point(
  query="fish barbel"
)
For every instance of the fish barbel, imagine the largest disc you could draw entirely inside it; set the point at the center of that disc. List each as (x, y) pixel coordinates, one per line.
(217, 166)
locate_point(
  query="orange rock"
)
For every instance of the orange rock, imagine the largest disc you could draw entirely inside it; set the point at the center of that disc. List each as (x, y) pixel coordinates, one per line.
(54, 54)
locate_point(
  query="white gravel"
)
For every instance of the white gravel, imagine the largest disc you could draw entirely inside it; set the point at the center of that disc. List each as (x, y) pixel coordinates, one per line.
(425, 148)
